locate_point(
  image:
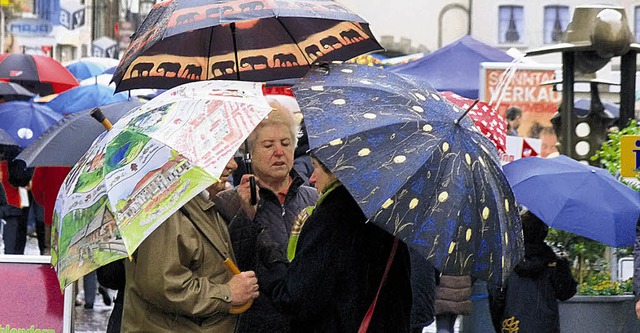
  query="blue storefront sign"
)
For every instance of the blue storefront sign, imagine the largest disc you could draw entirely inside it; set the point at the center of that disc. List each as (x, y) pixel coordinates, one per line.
(31, 27)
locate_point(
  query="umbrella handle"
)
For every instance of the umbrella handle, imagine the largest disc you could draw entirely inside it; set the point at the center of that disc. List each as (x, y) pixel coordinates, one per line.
(97, 114)
(236, 309)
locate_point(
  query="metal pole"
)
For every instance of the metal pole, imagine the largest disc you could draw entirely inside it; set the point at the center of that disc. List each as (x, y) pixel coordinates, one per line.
(627, 88)
(568, 115)
(2, 24)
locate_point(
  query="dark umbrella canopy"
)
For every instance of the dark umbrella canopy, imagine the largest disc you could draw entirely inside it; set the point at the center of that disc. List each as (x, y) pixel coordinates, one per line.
(26, 121)
(182, 41)
(10, 91)
(578, 198)
(65, 142)
(394, 143)
(6, 139)
(40, 74)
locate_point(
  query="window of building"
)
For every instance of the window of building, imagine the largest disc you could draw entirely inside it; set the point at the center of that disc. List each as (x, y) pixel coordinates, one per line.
(636, 23)
(556, 19)
(511, 24)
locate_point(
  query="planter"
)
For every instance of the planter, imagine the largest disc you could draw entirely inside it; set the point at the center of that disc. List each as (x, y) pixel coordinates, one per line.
(615, 314)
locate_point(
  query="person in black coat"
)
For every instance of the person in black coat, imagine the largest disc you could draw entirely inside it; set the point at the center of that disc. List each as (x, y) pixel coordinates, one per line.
(338, 267)
(528, 300)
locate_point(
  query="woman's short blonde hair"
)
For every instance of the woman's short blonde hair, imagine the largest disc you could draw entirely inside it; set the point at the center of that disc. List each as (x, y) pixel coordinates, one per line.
(280, 115)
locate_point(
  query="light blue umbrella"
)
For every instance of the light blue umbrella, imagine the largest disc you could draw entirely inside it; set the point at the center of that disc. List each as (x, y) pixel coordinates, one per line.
(85, 97)
(86, 69)
(25, 121)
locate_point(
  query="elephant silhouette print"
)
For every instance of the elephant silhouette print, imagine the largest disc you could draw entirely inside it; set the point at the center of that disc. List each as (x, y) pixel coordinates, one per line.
(313, 51)
(351, 36)
(330, 42)
(256, 62)
(224, 67)
(192, 72)
(141, 68)
(169, 67)
(251, 6)
(186, 18)
(218, 11)
(285, 60)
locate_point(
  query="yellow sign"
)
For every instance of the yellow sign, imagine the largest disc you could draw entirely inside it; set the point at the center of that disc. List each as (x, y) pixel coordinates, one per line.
(629, 155)
(5, 3)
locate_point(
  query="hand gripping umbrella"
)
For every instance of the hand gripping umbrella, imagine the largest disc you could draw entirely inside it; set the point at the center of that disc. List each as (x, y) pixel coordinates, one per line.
(416, 166)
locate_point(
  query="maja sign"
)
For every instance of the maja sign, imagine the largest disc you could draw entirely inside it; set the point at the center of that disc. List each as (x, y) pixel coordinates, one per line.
(29, 27)
(525, 90)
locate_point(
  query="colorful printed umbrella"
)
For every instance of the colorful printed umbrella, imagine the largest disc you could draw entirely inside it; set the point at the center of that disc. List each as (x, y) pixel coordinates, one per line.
(64, 143)
(485, 117)
(153, 160)
(578, 198)
(182, 41)
(26, 121)
(415, 168)
(40, 74)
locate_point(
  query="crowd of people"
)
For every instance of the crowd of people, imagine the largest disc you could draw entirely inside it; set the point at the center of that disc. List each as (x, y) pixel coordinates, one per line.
(307, 258)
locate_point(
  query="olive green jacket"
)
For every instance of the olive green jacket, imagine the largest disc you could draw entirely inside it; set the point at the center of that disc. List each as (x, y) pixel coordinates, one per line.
(176, 281)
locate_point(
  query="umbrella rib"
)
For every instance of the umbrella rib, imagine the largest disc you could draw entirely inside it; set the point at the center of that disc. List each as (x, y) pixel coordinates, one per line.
(295, 42)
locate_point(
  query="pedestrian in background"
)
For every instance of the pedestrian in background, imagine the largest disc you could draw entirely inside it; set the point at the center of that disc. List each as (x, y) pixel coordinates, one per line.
(14, 207)
(514, 116)
(452, 299)
(528, 301)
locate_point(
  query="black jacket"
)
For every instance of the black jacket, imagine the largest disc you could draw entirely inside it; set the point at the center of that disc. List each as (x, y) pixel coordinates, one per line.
(337, 270)
(531, 292)
(262, 316)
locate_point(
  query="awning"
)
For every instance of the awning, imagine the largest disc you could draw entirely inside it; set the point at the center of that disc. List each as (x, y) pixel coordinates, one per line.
(35, 41)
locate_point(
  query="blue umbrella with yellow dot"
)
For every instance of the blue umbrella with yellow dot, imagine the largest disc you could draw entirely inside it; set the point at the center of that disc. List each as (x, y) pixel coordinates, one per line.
(417, 167)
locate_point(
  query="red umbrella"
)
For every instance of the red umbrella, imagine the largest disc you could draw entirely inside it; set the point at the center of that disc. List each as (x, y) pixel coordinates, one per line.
(485, 117)
(40, 74)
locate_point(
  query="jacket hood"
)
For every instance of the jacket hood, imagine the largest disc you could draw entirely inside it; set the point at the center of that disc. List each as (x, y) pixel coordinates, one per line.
(537, 257)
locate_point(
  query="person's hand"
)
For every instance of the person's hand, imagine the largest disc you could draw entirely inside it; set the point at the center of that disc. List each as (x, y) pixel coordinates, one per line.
(244, 191)
(638, 309)
(244, 287)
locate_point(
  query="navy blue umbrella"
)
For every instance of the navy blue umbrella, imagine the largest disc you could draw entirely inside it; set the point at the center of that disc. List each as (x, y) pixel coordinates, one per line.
(25, 121)
(578, 198)
(415, 165)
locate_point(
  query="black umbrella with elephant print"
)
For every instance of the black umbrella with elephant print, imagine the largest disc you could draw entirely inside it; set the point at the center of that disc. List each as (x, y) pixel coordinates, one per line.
(256, 40)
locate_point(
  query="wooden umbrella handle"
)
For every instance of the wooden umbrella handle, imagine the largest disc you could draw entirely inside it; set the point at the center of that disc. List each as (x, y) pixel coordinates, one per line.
(236, 309)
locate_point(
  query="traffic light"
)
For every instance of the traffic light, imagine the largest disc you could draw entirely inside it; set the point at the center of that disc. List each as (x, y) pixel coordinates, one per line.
(590, 131)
